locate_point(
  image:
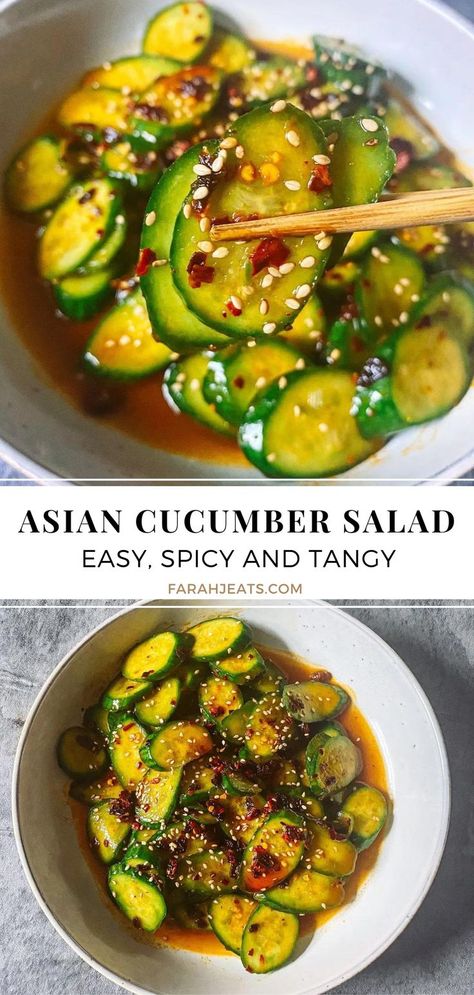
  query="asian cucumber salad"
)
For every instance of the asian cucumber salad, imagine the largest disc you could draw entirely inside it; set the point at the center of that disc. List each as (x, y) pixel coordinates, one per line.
(304, 353)
(221, 795)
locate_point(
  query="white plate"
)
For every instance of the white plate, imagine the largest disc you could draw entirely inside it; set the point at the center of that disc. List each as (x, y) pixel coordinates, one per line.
(414, 754)
(45, 46)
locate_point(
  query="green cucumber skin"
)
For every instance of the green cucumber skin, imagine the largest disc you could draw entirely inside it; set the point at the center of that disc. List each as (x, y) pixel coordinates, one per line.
(83, 308)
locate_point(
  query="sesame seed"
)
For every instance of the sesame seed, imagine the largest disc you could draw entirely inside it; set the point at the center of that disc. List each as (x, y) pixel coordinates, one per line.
(228, 143)
(205, 246)
(302, 291)
(325, 243)
(321, 160)
(300, 364)
(378, 320)
(218, 164)
(286, 268)
(307, 262)
(273, 271)
(201, 193)
(201, 170)
(278, 106)
(264, 307)
(221, 252)
(269, 327)
(260, 382)
(292, 185)
(204, 224)
(187, 211)
(368, 124)
(124, 340)
(109, 344)
(156, 264)
(282, 383)
(398, 289)
(405, 282)
(150, 218)
(323, 427)
(236, 302)
(240, 152)
(271, 457)
(293, 138)
(357, 90)
(375, 251)
(403, 318)
(292, 303)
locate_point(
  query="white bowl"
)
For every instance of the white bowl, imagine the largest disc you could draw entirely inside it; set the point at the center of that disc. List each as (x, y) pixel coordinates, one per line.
(415, 758)
(45, 45)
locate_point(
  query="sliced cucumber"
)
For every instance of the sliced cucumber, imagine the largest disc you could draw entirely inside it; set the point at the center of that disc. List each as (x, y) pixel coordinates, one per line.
(158, 706)
(431, 242)
(274, 851)
(206, 874)
(95, 717)
(38, 176)
(269, 729)
(157, 796)
(233, 727)
(182, 29)
(391, 282)
(305, 429)
(349, 343)
(82, 754)
(229, 915)
(314, 701)
(340, 279)
(134, 73)
(77, 228)
(367, 808)
(125, 743)
(359, 243)
(107, 253)
(332, 762)
(242, 667)
(195, 916)
(122, 346)
(328, 855)
(269, 940)
(81, 296)
(173, 106)
(122, 693)
(183, 390)
(270, 681)
(307, 332)
(306, 892)
(344, 65)
(140, 171)
(267, 80)
(219, 637)
(404, 126)
(428, 176)
(235, 782)
(172, 322)
(93, 113)
(235, 375)
(97, 791)
(177, 744)
(243, 815)
(199, 780)
(154, 658)
(244, 292)
(218, 697)
(228, 52)
(106, 831)
(140, 855)
(138, 898)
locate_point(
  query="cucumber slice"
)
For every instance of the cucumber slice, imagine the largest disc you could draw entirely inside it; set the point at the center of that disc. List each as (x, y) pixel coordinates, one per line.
(216, 638)
(158, 706)
(138, 898)
(199, 780)
(139, 855)
(270, 681)
(236, 783)
(332, 762)
(140, 171)
(106, 831)
(183, 390)
(108, 251)
(81, 296)
(177, 744)
(206, 874)
(191, 675)
(349, 343)
(273, 852)
(242, 667)
(306, 893)
(173, 106)
(431, 242)
(228, 52)
(314, 701)
(306, 429)
(391, 277)
(404, 126)
(344, 66)
(171, 320)
(368, 810)
(327, 855)
(157, 796)
(95, 717)
(218, 697)
(134, 73)
(269, 730)
(340, 279)
(237, 294)
(267, 80)
(125, 743)
(308, 330)
(195, 916)
(182, 29)
(81, 753)
(95, 113)
(269, 940)
(99, 791)
(243, 815)
(236, 374)
(234, 726)
(38, 176)
(359, 243)
(77, 228)
(122, 693)
(229, 916)
(428, 176)
(122, 346)
(155, 657)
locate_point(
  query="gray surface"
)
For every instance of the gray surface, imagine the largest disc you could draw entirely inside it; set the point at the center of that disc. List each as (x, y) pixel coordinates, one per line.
(434, 956)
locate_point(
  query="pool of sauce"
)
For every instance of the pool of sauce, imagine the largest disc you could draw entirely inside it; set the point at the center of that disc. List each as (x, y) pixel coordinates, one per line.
(57, 344)
(373, 773)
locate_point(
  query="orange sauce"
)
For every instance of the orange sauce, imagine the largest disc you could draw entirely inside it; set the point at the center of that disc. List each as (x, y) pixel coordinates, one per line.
(373, 773)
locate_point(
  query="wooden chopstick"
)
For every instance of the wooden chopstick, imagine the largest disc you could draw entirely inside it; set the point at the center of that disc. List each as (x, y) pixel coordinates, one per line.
(405, 211)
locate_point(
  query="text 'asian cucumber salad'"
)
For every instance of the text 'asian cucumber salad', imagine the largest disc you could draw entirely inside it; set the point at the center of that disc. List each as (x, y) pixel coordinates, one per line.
(306, 353)
(224, 797)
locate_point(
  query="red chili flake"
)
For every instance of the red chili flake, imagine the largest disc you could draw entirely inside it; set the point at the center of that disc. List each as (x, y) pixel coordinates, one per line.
(323, 676)
(150, 113)
(251, 953)
(216, 809)
(263, 862)
(236, 311)
(320, 178)
(271, 805)
(128, 726)
(269, 252)
(424, 322)
(198, 272)
(196, 87)
(145, 260)
(403, 152)
(293, 834)
(172, 868)
(216, 710)
(253, 928)
(88, 195)
(136, 922)
(217, 765)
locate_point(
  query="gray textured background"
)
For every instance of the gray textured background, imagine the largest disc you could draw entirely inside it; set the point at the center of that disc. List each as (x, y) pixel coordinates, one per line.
(435, 954)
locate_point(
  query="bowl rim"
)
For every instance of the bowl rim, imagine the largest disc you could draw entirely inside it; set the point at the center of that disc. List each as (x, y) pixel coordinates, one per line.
(401, 666)
(34, 470)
